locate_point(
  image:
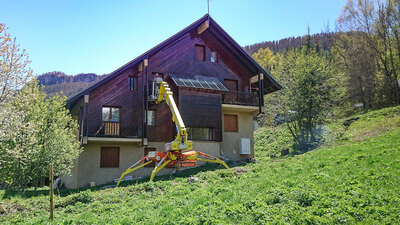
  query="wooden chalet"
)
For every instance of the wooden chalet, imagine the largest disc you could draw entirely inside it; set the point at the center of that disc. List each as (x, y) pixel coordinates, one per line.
(218, 88)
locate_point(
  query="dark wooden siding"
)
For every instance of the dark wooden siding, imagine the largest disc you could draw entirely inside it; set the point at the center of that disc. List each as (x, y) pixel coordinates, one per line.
(201, 109)
(164, 130)
(116, 93)
(178, 57)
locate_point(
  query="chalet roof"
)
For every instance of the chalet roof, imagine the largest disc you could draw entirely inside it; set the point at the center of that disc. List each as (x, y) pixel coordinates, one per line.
(273, 85)
(198, 81)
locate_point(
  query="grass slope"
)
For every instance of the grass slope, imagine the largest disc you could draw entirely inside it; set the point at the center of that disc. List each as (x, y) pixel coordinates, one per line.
(269, 141)
(350, 182)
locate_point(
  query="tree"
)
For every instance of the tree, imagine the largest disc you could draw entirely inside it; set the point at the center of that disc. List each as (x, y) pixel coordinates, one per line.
(359, 64)
(377, 25)
(309, 94)
(14, 70)
(265, 58)
(36, 132)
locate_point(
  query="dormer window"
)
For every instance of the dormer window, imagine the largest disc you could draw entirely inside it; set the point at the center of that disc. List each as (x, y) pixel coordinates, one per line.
(214, 56)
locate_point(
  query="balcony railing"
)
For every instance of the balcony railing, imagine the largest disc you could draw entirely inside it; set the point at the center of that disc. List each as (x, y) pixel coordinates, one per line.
(240, 98)
(111, 129)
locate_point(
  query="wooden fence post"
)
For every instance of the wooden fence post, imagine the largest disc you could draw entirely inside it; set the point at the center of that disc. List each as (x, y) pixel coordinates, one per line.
(51, 193)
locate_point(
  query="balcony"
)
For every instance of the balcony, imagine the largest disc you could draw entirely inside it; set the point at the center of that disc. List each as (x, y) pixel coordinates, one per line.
(240, 98)
(111, 129)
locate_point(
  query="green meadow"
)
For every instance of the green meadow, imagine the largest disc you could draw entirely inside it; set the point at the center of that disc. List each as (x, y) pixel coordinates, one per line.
(354, 178)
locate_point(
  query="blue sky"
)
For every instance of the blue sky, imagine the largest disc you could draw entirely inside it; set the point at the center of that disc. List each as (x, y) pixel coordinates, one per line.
(100, 36)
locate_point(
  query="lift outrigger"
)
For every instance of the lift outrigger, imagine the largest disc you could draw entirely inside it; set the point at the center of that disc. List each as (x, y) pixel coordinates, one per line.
(178, 153)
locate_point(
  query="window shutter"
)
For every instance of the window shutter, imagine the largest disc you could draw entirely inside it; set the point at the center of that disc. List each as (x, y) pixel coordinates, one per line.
(200, 52)
(230, 123)
(109, 157)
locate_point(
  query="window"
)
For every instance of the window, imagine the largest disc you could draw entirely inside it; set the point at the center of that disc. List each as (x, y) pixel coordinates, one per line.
(200, 52)
(200, 133)
(131, 83)
(111, 114)
(230, 123)
(109, 157)
(151, 118)
(214, 57)
(146, 151)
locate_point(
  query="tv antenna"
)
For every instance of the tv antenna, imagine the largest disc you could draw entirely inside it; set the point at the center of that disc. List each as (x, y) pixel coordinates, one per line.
(208, 7)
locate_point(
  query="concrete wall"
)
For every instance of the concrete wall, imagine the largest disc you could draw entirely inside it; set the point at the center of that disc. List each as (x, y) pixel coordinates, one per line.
(89, 162)
(230, 140)
(87, 169)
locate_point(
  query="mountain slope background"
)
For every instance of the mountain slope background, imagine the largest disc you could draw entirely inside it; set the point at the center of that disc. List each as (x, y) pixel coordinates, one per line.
(56, 82)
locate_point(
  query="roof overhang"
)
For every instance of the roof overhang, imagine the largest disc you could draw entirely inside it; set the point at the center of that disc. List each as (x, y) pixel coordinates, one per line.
(240, 108)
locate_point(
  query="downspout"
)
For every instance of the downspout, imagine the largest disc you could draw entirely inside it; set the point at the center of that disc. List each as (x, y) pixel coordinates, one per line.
(260, 93)
(85, 124)
(143, 113)
(262, 89)
(146, 65)
(82, 122)
(87, 113)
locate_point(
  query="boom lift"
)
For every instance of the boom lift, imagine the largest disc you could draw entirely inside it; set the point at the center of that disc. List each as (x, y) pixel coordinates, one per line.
(178, 153)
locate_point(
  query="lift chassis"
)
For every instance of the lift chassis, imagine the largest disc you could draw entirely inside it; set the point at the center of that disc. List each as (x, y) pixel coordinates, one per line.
(178, 153)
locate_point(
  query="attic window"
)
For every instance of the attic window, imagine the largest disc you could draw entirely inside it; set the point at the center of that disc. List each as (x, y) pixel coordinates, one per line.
(200, 52)
(131, 83)
(214, 56)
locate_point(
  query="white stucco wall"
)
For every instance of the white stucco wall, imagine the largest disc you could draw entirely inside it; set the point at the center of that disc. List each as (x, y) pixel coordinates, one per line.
(230, 140)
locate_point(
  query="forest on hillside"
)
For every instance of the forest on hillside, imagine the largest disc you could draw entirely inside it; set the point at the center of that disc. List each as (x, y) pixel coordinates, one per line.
(323, 41)
(353, 70)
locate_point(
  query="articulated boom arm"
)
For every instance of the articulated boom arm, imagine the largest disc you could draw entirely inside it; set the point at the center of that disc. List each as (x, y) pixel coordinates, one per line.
(181, 141)
(175, 155)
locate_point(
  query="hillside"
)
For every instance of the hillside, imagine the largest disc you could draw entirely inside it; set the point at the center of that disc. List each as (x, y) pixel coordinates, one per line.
(354, 180)
(55, 82)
